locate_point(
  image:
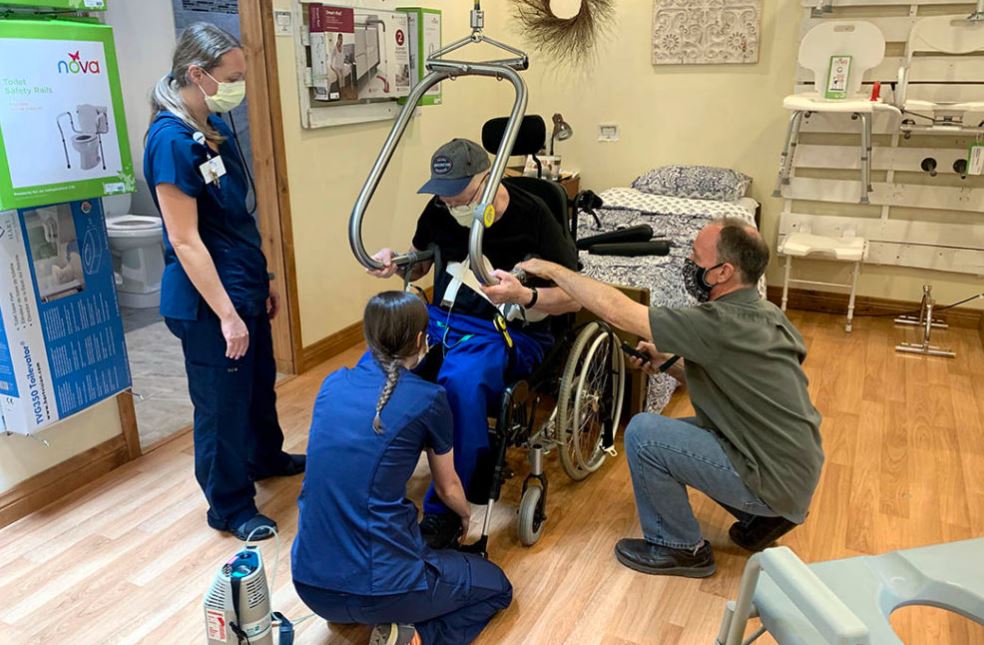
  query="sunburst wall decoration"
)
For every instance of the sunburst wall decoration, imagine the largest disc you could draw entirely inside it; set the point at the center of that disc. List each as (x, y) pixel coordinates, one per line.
(570, 40)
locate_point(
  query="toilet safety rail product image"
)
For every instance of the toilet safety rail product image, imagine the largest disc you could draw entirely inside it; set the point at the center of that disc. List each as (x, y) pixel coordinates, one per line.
(63, 134)
(61, 335)
(87, 140)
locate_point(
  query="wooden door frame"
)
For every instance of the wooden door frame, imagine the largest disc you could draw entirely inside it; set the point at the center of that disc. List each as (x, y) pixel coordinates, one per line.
(270, 170)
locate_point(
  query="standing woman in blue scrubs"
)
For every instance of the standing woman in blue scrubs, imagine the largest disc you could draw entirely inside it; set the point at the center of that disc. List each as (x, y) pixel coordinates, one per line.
(359, 556)
(215, 291)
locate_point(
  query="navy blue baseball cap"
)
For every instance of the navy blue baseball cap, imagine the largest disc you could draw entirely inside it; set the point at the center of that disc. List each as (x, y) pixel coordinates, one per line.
(453, 166)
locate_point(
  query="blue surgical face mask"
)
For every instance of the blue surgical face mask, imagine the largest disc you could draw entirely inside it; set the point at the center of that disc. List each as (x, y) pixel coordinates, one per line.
(694, 280)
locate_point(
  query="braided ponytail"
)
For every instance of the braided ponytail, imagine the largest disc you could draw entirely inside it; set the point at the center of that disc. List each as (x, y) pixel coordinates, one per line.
(392, 369)
(392, 324)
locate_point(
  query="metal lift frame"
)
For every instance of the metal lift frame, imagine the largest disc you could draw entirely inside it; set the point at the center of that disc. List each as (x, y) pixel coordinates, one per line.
(439, 70)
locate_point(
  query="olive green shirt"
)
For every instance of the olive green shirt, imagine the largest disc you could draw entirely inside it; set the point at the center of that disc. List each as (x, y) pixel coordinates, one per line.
(743, 365)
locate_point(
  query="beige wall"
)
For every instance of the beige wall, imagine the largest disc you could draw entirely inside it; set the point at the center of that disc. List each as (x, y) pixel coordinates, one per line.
(725, 115)
(144, 55)
(326, 168)
(24, 457)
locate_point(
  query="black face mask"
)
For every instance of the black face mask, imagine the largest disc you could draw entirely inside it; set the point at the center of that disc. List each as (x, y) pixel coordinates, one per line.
(693, 280)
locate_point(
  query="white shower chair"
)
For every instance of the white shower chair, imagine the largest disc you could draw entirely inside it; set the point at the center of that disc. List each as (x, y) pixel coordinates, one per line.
(847, 248)
(864, 43)
(849, 601)
(948, 35)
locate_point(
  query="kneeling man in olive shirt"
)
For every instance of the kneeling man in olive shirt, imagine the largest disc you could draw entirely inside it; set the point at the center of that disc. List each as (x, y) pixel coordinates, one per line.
(754, 446)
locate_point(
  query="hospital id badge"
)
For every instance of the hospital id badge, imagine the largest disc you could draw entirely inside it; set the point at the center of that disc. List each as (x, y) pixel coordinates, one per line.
(212, 169)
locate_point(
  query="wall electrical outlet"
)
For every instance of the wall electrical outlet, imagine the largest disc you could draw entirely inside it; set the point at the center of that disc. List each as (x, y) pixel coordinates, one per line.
(608, 132)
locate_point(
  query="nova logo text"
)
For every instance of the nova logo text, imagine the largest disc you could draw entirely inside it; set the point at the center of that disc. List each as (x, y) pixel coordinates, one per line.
(75, 65)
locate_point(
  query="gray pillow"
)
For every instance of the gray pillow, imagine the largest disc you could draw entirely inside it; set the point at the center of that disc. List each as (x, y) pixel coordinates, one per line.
(694, 182)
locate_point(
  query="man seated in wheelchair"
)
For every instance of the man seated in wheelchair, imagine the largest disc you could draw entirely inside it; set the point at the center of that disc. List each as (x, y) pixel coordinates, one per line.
(470, 357)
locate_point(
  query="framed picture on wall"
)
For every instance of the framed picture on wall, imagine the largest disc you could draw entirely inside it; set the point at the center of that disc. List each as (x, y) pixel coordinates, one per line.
(706, 32)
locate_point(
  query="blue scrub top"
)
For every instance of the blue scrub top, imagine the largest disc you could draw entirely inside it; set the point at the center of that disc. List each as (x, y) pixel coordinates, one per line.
(229, 232)
(357, 531)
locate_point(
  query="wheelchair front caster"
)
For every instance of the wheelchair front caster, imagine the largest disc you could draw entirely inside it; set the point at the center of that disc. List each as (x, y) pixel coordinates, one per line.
(531, 515)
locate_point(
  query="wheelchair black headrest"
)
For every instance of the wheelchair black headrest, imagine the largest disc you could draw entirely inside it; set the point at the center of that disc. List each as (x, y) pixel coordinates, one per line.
(530, 141)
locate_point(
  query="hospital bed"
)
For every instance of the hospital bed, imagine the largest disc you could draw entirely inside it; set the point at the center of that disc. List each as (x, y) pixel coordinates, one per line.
(673, 218)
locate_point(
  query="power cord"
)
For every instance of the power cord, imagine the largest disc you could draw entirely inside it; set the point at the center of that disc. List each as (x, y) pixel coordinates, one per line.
(276, 618)
(916, 311)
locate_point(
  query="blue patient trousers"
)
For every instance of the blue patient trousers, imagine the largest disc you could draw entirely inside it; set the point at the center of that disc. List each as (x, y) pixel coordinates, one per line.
(476, 364)
(237, 434)
(464, 591)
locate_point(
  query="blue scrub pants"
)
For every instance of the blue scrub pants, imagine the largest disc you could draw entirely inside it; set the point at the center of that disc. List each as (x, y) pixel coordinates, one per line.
(464, 591)
(473, 373)
(237, 434)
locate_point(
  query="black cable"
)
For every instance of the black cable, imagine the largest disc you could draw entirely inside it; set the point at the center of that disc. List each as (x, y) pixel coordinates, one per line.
(916, 311)
(249, 175)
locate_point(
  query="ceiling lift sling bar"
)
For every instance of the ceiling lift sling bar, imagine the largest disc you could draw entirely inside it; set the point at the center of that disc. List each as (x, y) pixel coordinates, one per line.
(440, 70)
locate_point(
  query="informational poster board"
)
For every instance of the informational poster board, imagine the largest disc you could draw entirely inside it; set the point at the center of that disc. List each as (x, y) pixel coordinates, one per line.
(358, 54)
(63, 135)
(424, 26)
(61, 335)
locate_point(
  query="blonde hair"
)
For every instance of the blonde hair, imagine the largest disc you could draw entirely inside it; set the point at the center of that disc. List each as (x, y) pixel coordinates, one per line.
(200, 45)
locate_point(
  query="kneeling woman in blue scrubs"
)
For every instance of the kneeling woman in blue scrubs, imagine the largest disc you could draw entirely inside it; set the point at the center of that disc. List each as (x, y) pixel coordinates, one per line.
(358, 556)
(215, 291)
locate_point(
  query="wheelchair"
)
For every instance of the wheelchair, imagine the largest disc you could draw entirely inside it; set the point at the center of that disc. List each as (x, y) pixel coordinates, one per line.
(583, 374)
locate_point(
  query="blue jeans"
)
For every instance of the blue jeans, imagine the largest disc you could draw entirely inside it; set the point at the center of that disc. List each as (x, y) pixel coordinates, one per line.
(464, 591)
(667, 455)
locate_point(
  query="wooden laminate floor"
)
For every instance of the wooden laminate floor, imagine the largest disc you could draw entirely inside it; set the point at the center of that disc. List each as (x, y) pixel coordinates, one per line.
(127, 559)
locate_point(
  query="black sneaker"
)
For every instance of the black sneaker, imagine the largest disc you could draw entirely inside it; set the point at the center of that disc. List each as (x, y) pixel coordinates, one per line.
(654, 559)
(260, 527)
(441, 531)
(759, 532)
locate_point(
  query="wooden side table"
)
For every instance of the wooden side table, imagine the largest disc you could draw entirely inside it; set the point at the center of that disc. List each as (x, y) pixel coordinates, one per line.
(572, 185)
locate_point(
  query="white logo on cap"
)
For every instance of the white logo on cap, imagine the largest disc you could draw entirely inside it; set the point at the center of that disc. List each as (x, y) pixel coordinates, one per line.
(442, 165)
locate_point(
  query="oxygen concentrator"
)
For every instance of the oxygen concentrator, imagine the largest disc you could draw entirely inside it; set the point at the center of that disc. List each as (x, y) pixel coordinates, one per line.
(237, 605)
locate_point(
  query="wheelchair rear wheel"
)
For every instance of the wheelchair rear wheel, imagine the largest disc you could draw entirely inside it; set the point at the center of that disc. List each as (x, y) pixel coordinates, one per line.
(591, 392)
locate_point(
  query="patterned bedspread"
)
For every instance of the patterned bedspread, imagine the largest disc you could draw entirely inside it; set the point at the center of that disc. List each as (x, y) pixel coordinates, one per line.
(672, 218)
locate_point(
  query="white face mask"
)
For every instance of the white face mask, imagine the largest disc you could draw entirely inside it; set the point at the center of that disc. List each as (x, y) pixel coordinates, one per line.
(463, 214)
(228, 97)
